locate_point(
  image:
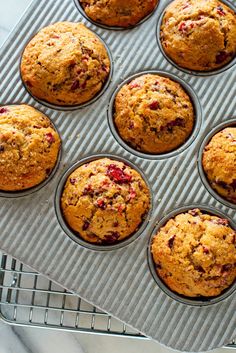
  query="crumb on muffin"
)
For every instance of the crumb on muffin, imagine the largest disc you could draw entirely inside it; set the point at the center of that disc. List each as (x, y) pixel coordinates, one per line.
(105, 201)
(195, 254)
(29, 147)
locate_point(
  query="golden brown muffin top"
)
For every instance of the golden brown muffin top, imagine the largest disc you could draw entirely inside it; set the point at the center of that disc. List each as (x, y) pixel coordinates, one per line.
(219, 163)
(65, 64)
(29, 147)
(199, 34)
(121, 13)
(105, 201)
(195, 254)
(153, 114)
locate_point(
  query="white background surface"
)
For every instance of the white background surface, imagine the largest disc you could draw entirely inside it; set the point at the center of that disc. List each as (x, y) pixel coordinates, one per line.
(31, 340)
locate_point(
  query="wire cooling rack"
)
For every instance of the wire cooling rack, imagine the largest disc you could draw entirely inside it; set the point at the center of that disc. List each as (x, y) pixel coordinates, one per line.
(29, 299)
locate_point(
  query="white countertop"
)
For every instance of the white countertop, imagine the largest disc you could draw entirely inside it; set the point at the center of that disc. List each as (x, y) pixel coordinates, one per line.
(15, 339)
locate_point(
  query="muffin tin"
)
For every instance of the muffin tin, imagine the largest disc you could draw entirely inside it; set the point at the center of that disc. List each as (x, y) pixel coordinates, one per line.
(118, 281)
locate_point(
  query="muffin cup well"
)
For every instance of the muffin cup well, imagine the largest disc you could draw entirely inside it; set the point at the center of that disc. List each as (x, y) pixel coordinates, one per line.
(25, 192)
(197, 113)
(188, 71)
(114, 28)
(203, 176)
(75, 236)
(68, 108)
(200, 301)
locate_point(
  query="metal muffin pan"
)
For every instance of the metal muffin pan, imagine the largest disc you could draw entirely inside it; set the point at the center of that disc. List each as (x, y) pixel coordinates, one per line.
(192, 72)
(203, 176)
(76, 236)
(66, 108)
(25, 192)
(196, 107)
(198, 301)
(115, 28)
(117, 281)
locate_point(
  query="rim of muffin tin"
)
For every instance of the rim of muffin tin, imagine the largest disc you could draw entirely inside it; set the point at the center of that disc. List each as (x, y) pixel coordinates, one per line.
(26, 192)
(227, 66)
(203, 176)
(114, 28)
(192, 301)
(75, 236)
(67, 108)
(197, 116)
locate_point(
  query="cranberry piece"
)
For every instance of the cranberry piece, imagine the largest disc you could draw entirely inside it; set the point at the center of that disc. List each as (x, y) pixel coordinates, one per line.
(182, 27)
(85, 225)
(154, 105)
(226, 268)
(220, 11)
(171, 241)
(134, 85)
(111, 238)
(84, 84)
(3, 110)
(55, 36)
(75, 85)
(132, 193)
(221, 57)
(199, 269)
(2, 148)
(115, 224)
(131, 126)
(205, 249)
(104, 68)
(101, 204)
(118, 175)
(176, 122)
(73, 181)
(48, 171)
(194, 212)
(158, 266)
(88, 190)
(49, 137)
(221, 221)
(121, 208)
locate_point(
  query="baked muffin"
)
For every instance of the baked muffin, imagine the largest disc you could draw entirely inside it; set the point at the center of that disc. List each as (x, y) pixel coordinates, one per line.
(118, 13)
(219, 163)
(153, 114)
(65, 64)
(105, 201)
(195, 254)
(29, 147)
(199, 34)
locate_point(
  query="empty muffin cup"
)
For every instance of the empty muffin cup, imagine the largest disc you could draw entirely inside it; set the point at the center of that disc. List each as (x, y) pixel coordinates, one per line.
(154, 114)
(122, 17)
(217, 162)
(30, 150)
(191, 255)
(103, 202)
(176, 48)
(66, 66)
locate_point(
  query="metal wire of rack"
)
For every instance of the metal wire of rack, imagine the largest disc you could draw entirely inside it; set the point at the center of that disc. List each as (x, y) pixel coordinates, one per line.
(29, 299)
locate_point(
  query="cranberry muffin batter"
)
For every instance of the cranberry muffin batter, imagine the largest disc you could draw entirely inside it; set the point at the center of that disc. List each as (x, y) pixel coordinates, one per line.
(65, 64)
(118, 13)
(105, 201)
(29, 147)
(219, 163)
(199, 34)
(195, 254)
(153, 114)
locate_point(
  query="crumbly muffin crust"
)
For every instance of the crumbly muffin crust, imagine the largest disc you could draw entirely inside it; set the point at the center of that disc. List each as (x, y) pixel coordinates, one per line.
(195, 254)
(219, 163)
(199, 34)
(65, 64)
(153, 114)
(29, 147)
(105, 201)
(118, 13)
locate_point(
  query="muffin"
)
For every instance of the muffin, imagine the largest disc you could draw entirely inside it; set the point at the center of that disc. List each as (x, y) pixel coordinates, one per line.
(29, 147)
(118, 13)
(105, 201)
(219, 163)
(65, 64)
(199, 34)
(195, 254)
(153, 114)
